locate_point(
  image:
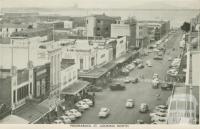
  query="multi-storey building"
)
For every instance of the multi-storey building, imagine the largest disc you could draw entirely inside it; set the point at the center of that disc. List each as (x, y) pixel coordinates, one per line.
(99, 25)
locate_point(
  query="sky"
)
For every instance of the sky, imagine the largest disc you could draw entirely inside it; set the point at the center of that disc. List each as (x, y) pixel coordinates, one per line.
(191, 4)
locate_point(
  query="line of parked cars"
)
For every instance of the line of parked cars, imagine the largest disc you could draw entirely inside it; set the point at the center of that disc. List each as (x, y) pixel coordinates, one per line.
(71, 115)
(159, 115)
(173, 71)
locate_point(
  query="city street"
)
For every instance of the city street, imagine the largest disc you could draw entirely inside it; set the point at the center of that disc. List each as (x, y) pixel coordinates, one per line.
(141, 92)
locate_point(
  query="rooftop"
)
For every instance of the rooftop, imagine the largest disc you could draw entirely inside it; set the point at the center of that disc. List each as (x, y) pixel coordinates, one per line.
(11, 25)
(32, 32)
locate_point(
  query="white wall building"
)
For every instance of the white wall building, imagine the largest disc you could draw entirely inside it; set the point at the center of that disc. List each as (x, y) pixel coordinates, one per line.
(69, 73)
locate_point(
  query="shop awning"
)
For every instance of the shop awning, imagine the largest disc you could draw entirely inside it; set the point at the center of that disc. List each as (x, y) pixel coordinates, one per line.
(75, 88)
(125, 57)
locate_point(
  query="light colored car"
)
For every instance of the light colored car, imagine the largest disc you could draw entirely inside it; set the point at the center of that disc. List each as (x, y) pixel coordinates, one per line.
(158, 114)
(144, 108)
(58, 121)
(129, 103)
(70, 115)
(65, 119)
(104, 112)
(140, 122)
(160, 110)
(127, 80)
(82, 105)
(155, 75)
(158, 118)
(169, 59)
(88, 102)
(148, 63)
(75, 112)
(162, 106)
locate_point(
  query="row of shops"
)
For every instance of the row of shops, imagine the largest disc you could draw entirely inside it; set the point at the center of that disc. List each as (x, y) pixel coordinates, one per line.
(101, 76)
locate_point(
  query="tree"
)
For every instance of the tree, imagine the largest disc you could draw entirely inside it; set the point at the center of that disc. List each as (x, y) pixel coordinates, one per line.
(185, 27)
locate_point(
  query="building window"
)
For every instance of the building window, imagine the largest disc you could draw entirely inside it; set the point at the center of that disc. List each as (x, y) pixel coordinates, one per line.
(14, 96)
(98, 28)
(81, 63)
(98, 21)
(7, 29)
(43, 86)
(74, 74)
(87, 21)
(22, 92)
(37, 88)
(30, 88)
(92, 61)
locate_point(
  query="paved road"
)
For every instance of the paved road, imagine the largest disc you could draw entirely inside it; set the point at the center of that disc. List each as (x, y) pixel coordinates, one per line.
(141, 92)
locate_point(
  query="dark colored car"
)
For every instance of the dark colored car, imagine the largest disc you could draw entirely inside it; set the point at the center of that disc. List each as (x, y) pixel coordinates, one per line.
(134, 80)
(157, 58)
(117, 87)
(95, 89)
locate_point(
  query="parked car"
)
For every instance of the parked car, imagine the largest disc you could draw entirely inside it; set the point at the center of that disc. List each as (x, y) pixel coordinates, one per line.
(58, 121)
(117, 87)
(144, 108)
(104, 112)
(158, 58)
(70, 115)
(95, 89)
(167, 86)
(88, 102)
(65, 119)
(81, 105)
(161, 119)
(140, 122)
(158, 114)
(130, 103)
(76, 113)
(140, 66)
(162, 106)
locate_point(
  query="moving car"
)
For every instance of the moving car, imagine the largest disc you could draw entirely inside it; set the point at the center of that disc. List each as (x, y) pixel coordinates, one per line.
(155, 75)
(88, 102)
(104, 112)
(95, 89)
(144, 108)
(130, 103)
(65, 119)
(117, 87)
(76, 113)
(155, 83)
(148, 63)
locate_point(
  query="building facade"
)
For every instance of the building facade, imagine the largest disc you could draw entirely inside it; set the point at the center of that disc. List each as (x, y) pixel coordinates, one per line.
(99, 25)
